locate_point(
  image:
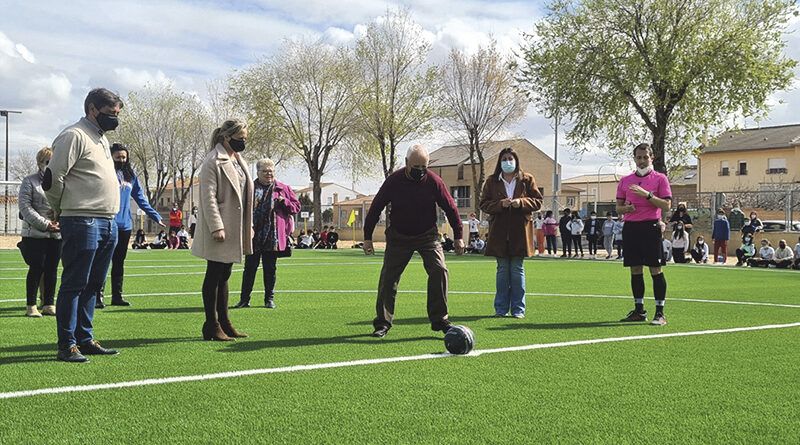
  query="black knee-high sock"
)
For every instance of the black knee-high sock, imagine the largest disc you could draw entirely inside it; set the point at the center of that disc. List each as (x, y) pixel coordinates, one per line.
(637, 287)
(660, 291)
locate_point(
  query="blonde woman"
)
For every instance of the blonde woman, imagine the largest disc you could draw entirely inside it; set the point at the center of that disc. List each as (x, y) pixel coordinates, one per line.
(224, 223)
(41, 240)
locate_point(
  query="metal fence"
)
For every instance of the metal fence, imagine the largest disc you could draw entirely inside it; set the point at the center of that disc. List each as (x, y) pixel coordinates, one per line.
(778, 210)
(9, 210)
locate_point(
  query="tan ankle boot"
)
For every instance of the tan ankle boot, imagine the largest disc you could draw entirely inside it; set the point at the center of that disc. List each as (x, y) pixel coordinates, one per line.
(33, 312)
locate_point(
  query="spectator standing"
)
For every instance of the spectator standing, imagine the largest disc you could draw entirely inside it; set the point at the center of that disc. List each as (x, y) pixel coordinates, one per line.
(550, 228)
(128, 188)
(608, 234)
(193, 221)
(736, 217)
(746, 251)
(474, 226)
(81, 185)
(538, 228)
(575, 227)
(680, 215)
(783, 256)
(275, 205)
(619, 226)
(566, 235)
(510, 196)
(41, 241)
(592, 229)
(720, 234)
(224, 223)
(765, 254)
(700, 251)
(175, 219)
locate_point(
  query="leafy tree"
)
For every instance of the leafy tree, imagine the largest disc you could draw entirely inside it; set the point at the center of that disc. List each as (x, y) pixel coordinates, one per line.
(621, 70)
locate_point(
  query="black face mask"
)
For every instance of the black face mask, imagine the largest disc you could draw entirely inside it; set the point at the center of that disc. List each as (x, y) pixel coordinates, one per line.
(237, 145)
(417, 174)
(119, 165)
(107, 122)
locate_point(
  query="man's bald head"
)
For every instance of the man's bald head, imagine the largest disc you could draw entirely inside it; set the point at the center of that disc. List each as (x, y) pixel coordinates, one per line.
(417, 156)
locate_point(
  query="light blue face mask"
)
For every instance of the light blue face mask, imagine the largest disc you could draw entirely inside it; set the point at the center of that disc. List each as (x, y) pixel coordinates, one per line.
(508, 166)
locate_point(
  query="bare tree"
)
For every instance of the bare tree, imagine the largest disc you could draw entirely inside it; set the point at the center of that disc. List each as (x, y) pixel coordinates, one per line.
(23, 164)
(399, 90)
(312, 86)
(167, 137)
(480, 97)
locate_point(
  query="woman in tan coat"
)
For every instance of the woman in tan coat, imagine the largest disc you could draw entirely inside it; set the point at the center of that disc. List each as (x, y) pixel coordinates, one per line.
(510, 197)
(224, 229)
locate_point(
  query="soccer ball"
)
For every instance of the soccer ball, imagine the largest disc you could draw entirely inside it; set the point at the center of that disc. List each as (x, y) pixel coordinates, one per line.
(459, 340)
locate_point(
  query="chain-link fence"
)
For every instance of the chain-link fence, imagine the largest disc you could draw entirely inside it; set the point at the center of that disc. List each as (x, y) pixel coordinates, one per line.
(778, 209)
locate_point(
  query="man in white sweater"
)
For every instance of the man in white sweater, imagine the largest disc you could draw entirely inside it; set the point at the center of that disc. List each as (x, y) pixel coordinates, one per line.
(81, 185)
(783, 255)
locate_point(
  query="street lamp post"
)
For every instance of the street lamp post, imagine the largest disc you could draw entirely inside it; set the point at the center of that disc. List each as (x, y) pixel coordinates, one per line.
(597, 192)
(5, 113)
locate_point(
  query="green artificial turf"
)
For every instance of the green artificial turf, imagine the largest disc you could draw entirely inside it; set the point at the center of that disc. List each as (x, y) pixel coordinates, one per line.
(723, 388)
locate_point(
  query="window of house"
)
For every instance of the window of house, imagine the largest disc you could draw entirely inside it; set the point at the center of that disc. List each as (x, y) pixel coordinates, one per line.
(330, 200)
(461, 195)
(724, 170)
(593, 192)
(776, 166)
(461, 172)
(742, 170)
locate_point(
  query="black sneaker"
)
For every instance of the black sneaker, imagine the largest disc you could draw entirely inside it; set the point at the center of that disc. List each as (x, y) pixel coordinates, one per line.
(71, 355)
(120, 302)
(270, 304)
(442, 327)
(380, 331)
(634, 316)
(241, 304)
(94, 348)
(659, 320)
(98, 302)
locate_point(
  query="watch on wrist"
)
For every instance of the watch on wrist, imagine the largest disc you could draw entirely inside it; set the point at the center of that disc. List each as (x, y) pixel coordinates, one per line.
(649, 195)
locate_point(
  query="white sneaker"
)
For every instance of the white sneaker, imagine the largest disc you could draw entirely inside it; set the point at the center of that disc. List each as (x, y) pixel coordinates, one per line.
(48, 310)
(33, 312)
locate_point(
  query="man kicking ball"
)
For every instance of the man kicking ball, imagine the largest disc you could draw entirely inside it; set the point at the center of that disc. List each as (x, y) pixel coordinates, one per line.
(412, 193)
(641, 197)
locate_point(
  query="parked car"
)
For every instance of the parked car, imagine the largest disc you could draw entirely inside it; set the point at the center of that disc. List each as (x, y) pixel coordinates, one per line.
(780, 226)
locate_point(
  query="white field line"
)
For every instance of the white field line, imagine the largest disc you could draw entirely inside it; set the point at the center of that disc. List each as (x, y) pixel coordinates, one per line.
(533, 294)
(366, 362)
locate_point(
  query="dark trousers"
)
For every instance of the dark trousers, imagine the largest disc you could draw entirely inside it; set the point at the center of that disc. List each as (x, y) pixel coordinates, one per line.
(41, 255)
(576, 242)
(592, 240)
(399, 250)
(741, 257)
(87, 246)
(215, 291)
(269, 262)
(552, 247)
(697, 256)
(118, 263)
(566, 244)
(679, 255)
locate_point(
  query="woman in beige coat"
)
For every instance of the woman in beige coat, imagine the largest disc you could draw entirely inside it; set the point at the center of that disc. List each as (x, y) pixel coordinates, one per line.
(224, 230)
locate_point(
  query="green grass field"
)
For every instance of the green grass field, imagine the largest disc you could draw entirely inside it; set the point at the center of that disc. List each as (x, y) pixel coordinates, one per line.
(724, 387)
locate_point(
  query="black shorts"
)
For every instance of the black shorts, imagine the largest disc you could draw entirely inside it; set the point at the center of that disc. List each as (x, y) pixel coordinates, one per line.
(641, 242)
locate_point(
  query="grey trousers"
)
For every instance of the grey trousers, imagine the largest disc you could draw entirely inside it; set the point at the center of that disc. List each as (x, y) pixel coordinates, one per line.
(608, 243)
(399, 250)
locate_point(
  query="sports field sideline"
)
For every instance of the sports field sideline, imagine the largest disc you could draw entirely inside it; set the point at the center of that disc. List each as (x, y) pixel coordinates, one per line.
(724, 370)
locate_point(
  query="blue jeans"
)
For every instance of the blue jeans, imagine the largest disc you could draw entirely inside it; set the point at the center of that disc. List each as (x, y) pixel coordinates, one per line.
(510, 296)
(87, 246)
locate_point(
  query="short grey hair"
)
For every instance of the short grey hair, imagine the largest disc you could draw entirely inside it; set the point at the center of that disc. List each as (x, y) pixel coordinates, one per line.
(265, 163)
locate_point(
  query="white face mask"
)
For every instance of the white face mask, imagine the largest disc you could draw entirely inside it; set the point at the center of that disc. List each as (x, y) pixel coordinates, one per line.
(644, 171)
(593, 217)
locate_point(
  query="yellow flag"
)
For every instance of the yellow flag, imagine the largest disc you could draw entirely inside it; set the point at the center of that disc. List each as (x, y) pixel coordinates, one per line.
(351, 219)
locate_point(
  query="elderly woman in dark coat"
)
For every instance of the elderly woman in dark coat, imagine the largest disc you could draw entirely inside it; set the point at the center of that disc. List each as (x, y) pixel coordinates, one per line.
(510, 197)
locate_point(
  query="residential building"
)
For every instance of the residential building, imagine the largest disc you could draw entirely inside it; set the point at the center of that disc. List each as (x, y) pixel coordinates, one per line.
(751, 159)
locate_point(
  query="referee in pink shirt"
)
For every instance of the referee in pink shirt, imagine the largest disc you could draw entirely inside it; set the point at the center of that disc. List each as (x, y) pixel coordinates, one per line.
(641, 197)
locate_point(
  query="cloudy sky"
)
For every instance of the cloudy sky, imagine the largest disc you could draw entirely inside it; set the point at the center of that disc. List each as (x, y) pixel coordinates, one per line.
(53, 52)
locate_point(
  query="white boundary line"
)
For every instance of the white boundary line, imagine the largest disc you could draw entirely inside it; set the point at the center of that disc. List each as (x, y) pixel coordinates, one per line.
(365, 362)
(533, 294)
